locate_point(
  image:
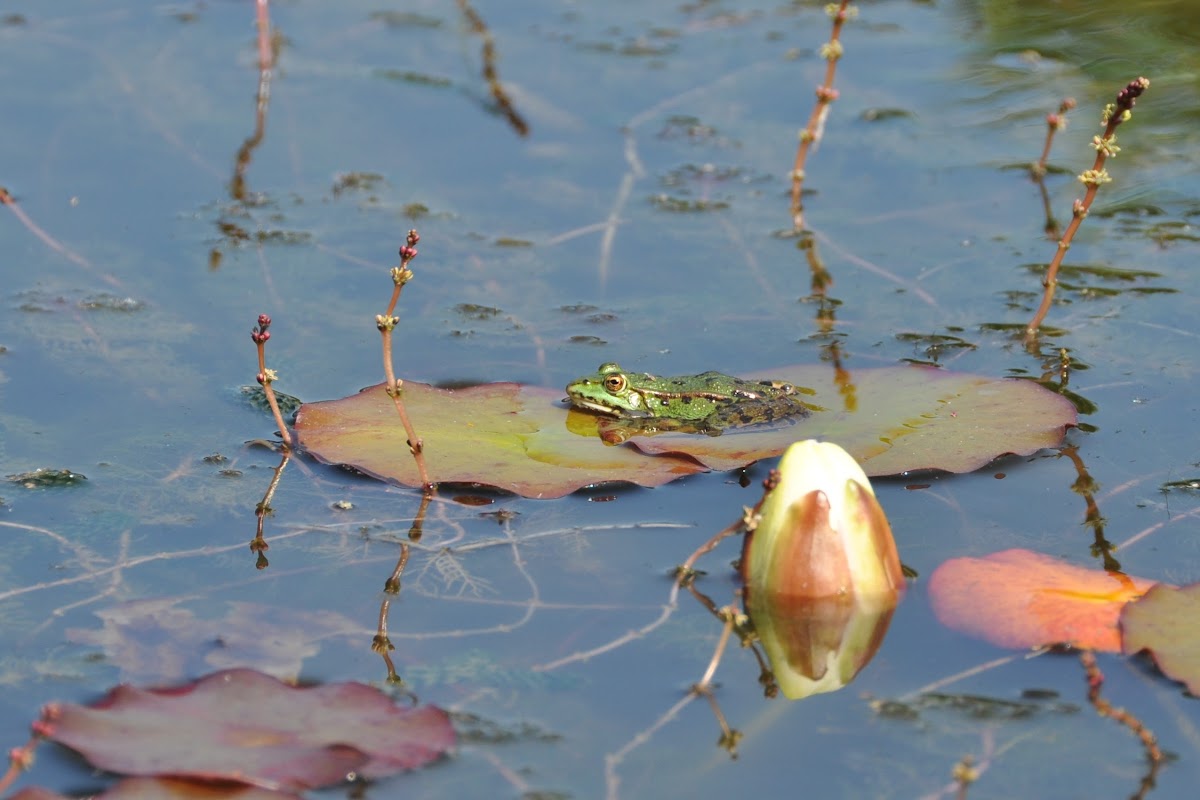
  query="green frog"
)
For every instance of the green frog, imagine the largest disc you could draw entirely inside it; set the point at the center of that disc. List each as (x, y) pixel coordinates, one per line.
(706, 403)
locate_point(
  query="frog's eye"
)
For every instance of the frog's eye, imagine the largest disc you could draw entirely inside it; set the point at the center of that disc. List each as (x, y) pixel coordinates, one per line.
(615, 384)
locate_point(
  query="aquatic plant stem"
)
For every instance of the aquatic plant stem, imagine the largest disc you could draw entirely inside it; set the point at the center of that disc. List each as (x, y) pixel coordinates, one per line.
(20, 759)
(685, 573)
(1037, 171)
(260, 335)
(10, 202)
(1095, 680)
(1054, 123)
(810, 135)
(386, 323)
(258, 545)
(381, 644)
(730, 736)
(1106, 146)
(266, 58)
(499, 95)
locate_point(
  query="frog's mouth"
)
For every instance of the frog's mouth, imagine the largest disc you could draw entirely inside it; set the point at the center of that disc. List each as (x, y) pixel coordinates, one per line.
(600, 408)
(583, 402)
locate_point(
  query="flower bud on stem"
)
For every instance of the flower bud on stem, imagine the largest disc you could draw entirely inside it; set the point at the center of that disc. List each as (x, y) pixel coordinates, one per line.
(1054, 123)
(260, 336)
(1106, 146)
(386, 323)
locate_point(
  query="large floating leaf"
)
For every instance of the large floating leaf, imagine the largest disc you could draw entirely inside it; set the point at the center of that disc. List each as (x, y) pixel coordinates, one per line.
(1164, 622)
(165, 789)
(243, 726)
(898, 419)
(520, 438)
(1021, 599)
(499, 434)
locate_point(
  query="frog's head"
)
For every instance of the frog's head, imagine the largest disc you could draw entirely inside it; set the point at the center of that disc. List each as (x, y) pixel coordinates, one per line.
(609, 391)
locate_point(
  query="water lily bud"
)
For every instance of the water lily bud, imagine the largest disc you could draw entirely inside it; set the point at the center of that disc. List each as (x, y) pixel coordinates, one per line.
(821, 571)
(822, 533)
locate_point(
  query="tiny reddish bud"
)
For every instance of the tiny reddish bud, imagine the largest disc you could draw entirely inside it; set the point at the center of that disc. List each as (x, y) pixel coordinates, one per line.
(260, 378)
(408, 253)
(21, 758)
(264, 321)
(1127, 97)
(42, 727)
(413, 238)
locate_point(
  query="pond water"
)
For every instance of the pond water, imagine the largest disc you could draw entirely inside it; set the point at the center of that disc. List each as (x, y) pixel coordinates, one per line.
(642, 217)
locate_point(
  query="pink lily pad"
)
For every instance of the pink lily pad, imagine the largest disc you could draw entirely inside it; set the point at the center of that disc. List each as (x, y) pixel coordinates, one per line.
(166, 789)
(523, 439)
(246, 727)
(1022, 599)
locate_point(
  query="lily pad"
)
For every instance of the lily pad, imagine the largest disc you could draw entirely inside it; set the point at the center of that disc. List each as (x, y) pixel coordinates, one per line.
(503, 435)
(166, 789)
(1022, 599)
(1164, 623)
(524, 440)
(897, 419)
(246, 727)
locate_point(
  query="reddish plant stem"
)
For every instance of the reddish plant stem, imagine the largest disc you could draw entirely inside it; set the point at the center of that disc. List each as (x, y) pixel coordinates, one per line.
(1095, 679)
(1054, 124)
(266, 377)
(826, 94)
(266, 58)
(7, 200)
(20, 759)
(386, 323)
(1106, 145)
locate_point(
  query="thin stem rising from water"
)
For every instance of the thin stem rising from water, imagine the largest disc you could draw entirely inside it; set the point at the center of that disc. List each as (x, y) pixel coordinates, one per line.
(386, 323)
(810, 136)
(1106, 146)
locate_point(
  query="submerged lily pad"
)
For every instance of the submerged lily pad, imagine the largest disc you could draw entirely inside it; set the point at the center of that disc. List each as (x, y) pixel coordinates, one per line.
(163, 640)
(522, 439)
(246, 727)
(1164, 623)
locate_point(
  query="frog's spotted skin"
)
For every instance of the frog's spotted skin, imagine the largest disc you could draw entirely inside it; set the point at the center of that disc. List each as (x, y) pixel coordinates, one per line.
(710, 401)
